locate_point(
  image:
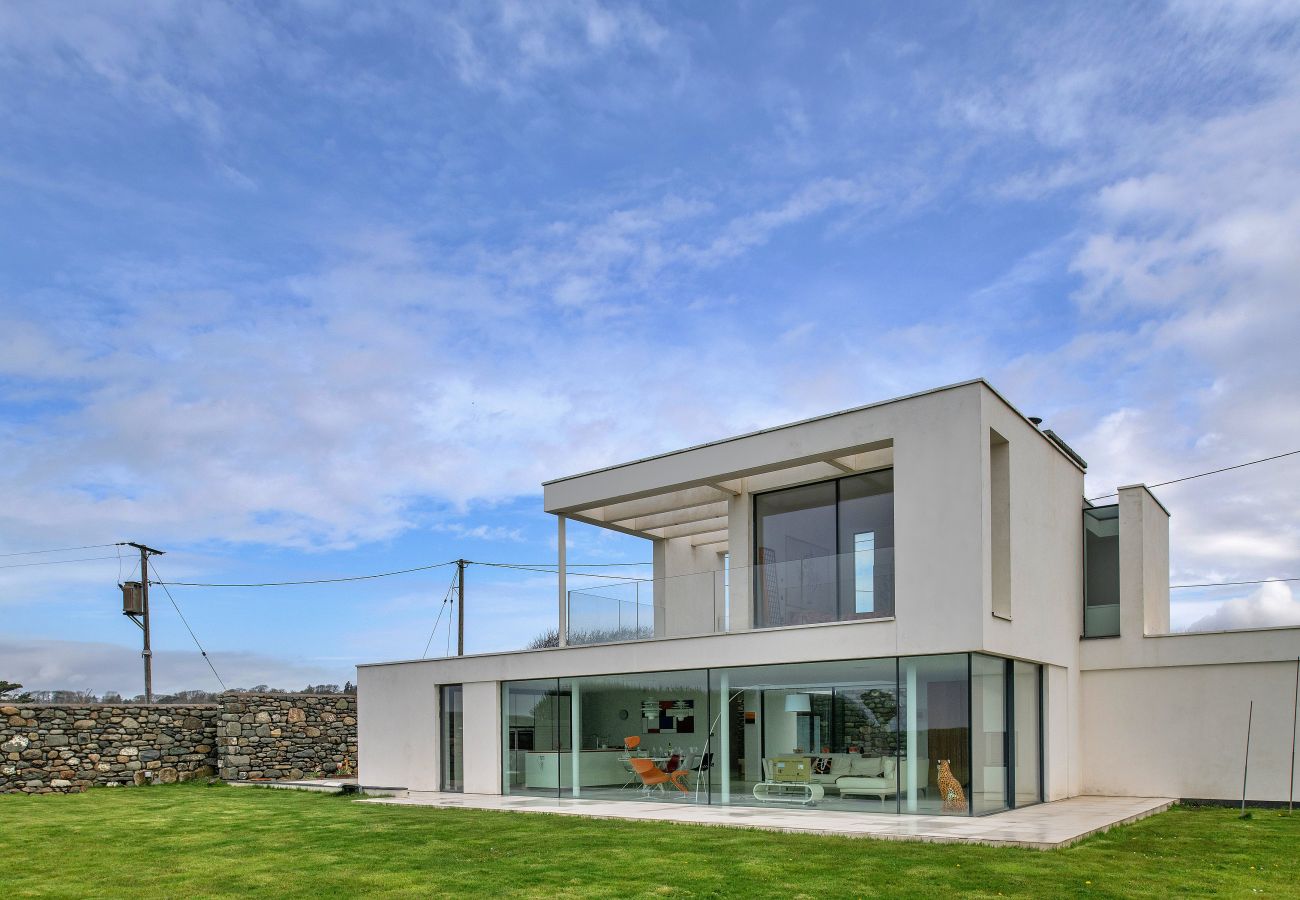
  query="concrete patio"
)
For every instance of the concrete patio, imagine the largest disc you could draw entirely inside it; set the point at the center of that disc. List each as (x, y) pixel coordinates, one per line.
(1047, 826)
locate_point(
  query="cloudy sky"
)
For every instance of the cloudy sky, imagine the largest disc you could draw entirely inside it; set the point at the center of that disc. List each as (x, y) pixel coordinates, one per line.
(301, 290)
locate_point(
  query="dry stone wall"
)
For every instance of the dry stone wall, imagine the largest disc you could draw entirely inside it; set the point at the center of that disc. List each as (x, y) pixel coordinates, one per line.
(48, 748)
(277, 736)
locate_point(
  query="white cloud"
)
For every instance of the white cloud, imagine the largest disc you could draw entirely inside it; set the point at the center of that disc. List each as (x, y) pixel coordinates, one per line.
(98, 667)
(1267, 606)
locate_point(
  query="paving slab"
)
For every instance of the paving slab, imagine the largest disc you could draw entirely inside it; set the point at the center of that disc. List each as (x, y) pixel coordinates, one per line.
(1046, 826)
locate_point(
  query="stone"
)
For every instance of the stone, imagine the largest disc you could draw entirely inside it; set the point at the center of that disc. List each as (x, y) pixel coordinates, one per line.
(146, 755)
(129, 751)
(262, 718)
(15, 744)
(84, 724)
(311, 731)
(297, 714)
(8, 710)
(167, 775)
(128, 722)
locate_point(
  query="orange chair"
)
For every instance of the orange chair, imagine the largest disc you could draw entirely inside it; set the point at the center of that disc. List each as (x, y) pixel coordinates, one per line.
(652, 776)
(631, 742)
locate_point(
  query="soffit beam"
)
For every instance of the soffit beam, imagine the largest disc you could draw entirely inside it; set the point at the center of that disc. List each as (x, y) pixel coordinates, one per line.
(676, 516)
(660, 503)
(704, 526)
(712, 537)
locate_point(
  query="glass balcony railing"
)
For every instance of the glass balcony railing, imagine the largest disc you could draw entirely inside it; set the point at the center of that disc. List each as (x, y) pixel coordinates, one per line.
(841, 588)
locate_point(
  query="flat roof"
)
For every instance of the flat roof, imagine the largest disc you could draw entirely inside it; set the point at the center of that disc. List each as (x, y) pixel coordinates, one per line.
(1073, 458)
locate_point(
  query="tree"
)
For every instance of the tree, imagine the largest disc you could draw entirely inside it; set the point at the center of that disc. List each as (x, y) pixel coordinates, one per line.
(13, 692)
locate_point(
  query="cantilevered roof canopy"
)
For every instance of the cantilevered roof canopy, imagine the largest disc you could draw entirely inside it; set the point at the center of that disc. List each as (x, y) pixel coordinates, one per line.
(684, 494)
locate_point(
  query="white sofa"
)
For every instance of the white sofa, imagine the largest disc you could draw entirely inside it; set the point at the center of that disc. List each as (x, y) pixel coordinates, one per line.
(842, 765)
(892, 779)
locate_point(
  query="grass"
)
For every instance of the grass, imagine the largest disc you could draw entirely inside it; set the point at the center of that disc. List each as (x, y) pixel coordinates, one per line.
(191, 840)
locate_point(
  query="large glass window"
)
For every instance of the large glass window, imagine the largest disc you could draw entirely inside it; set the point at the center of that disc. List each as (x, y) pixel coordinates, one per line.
(452, 755)
(958, 734)
(824, 551)
(1101, 571)
(639, 734)
(989, 699)
(934, 760)
(1027, 735)
(536, 737)
(831, 725)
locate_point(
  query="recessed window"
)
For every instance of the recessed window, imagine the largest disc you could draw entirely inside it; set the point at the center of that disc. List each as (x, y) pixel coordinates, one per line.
(824, 551)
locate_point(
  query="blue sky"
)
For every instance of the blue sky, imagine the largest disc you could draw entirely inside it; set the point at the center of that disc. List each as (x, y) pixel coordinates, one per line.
(297, 290)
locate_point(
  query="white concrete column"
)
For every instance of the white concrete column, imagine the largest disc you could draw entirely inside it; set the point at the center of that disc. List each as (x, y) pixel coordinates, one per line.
(1143, 563)
(482, 737)
(724, 737)
(563, 582)
(912, 774)
(575, 740)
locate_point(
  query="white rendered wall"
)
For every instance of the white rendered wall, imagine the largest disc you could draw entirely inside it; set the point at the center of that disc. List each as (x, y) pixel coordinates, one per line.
(1180, 731)
(397, 727)
(482, 737)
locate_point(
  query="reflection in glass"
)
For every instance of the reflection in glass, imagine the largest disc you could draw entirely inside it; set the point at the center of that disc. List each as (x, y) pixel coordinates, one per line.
(1027, 736)
(934, 764)
(452, 755)
(824, 552)
(989, 733)
(536, 730)
(1101, 571)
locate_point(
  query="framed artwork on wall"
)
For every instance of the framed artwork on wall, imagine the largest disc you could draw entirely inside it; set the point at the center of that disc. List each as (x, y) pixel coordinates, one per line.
(668, 716)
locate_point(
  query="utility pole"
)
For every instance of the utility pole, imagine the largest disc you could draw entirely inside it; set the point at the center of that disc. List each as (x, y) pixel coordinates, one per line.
(141, 616)
(460, 607)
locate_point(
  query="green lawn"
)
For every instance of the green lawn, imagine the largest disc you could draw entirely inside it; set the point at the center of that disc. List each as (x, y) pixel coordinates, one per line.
(192, 840)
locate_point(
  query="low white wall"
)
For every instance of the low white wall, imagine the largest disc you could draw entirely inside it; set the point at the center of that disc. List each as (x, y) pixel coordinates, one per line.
(397, 728)
(1180, 731)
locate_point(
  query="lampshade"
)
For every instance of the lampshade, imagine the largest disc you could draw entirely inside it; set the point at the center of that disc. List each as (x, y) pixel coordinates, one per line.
(798, 703)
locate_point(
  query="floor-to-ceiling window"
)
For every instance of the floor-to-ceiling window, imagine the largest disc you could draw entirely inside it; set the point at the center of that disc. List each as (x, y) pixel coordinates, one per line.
(1027, 732)
(536, 735)
(824, 552)
(452, 755)
(839, 718)
(934, 760)
(989, 686)
(955, 734)
(637, 734)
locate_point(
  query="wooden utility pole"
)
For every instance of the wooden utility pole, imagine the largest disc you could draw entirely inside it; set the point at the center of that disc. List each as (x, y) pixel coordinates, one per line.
(460, 607)
(143, 622)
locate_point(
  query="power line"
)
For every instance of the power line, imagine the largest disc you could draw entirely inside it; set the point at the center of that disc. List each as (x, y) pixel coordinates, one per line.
(314, 580)
(552, 571)
(193, 636)
(59, 550)
(446, 598)
(56, 562)
(1174, 587)
(1253, 462)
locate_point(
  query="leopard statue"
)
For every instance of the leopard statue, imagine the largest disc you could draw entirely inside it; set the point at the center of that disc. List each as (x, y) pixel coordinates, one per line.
(954, 798)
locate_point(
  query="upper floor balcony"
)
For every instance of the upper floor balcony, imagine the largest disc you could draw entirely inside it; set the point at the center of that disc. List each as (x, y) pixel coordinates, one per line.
(813, 590)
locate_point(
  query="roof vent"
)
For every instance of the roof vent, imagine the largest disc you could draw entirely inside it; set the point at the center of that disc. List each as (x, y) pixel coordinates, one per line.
(1036, 421)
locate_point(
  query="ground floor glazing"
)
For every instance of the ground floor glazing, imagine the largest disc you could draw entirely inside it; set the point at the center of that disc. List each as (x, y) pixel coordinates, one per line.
(957, 734)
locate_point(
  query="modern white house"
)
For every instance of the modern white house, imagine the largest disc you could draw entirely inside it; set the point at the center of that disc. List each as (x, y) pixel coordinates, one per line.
(905, 607)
